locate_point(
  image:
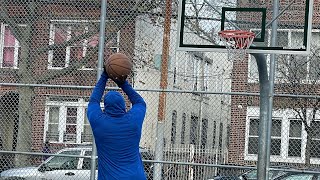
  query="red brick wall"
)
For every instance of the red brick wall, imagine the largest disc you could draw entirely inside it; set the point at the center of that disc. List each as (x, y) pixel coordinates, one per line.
(238, 112)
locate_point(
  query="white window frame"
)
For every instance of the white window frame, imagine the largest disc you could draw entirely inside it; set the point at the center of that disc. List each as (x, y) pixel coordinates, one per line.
(68, 48)
(248, 135)
(299, 138)
(253, 76)
(286, 115)
(85, 124)
(317, 139)
(16, 47)
(81, 106)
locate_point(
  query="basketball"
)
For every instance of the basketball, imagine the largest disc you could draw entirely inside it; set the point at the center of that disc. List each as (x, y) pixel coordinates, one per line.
(118, 66)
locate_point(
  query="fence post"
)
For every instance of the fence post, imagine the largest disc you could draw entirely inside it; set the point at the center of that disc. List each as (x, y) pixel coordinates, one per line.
(99, 71)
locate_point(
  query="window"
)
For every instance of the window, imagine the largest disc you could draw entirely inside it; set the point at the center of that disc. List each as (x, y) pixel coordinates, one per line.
(214, 134)
(253, 136)
(220, 135)
(183, 128)
(66, 121)
(63, 56)
(200, 71)
(292, 67)
(173, 127)
(295, 132)
(282, 38)
(53, 127)
(9, 48)
(275, 136)
(204, 133)
(228, 134)
(70, 134)
(315, 143)
(297, 68)
(194, 130)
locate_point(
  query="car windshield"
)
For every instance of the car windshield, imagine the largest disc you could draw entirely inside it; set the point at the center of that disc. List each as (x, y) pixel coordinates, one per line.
(64, 162)
(299, 177)
(87, 161)
(252, 175)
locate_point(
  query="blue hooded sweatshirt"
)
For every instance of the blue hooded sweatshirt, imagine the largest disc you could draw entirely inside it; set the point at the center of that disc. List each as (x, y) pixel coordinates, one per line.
(117, 133)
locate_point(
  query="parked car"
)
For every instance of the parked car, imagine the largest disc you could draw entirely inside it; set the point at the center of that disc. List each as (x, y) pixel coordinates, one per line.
(281, 173)
(252, 174)
(61, 167)
(226, 178)
(299, 176)
(274, 174)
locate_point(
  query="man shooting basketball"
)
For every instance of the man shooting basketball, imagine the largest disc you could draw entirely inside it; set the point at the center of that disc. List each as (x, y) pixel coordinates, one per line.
(117, 132)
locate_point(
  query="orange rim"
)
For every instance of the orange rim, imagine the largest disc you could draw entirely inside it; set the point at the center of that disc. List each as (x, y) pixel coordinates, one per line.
(242, 39)
(236, 34)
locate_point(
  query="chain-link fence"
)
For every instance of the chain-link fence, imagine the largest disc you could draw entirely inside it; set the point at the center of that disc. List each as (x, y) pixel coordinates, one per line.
(202, 109)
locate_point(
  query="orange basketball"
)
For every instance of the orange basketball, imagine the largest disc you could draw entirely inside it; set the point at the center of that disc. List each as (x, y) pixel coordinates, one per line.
(118, 66)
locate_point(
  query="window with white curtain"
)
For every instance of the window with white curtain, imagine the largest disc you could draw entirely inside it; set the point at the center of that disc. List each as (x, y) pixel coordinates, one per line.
(53, 124)
(10, 49)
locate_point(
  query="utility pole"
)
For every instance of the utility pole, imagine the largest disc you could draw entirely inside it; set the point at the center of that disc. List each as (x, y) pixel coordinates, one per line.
(162, 97)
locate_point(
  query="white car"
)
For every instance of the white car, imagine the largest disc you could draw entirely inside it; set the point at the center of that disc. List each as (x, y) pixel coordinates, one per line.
(60, 167)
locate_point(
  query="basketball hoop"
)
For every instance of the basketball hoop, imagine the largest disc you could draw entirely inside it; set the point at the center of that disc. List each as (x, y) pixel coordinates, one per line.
(237, 42)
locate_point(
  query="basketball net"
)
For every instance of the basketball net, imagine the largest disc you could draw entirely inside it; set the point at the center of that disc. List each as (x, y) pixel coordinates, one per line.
(237, 42)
